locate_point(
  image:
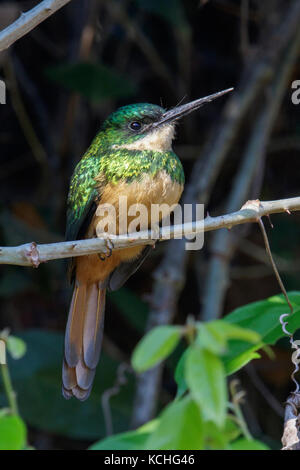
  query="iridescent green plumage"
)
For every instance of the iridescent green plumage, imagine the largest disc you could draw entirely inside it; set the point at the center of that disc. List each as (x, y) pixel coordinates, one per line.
(131, 156)
(112, 165)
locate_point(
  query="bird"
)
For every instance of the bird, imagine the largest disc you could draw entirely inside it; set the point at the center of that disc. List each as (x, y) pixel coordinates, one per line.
(131, 156)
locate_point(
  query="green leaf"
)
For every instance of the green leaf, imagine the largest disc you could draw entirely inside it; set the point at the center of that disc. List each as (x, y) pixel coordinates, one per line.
(16, 347)
(231, 430)
(217, 438)
(236, 363)
(125, 441)
(180, 374)
(180, 427)
(94, 81)
(262, 317)
(205, 377)
(232, 331)
(210, 338)
(215, 335)
(247, 444)
(155, 347)
(132, 440)
(12, 433)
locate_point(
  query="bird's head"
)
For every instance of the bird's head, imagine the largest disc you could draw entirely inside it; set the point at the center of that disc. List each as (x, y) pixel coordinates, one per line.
(145, 126)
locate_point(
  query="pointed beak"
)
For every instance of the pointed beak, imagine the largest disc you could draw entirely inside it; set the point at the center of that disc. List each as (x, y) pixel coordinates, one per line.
(180, 111)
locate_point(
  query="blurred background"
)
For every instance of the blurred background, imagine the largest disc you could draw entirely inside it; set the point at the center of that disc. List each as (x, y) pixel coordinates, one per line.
(63, 79)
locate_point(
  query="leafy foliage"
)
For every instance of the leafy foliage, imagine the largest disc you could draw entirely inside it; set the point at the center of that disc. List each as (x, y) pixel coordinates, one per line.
(199, 417)
(247, 444)
(132, 440)
(180, 427)
(262, 317)
(12, 432)
(155, 347)
(205, 377)
(16, 347)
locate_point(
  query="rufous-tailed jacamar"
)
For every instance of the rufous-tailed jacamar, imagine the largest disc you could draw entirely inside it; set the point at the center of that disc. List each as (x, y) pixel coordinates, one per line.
(131, 156)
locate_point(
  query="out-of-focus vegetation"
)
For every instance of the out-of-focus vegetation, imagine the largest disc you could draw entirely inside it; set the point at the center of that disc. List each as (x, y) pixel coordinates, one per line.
(203, 416)
(63, 79)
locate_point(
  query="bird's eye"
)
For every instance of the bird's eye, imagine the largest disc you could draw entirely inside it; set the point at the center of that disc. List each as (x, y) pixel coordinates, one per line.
(135, 126)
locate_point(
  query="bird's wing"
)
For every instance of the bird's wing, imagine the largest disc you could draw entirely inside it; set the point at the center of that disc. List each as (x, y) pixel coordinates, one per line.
(82, 201)
(123, 272)
(82, 198)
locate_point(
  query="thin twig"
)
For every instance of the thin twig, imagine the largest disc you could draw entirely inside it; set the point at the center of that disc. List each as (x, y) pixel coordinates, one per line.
(28, 21)
(264, 391)
(8, 388)
(290, 438)
(237, 400)
(284, 316)
(268, 250)
(121, 380)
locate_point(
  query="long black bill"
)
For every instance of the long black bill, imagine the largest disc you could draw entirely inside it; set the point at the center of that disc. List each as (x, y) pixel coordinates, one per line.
(180, 111)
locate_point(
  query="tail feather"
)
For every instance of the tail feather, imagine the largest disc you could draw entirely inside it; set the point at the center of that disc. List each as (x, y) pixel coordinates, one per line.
(84, 379)
(93, 326)
(68, 376)
(83, 339)
(73, 337)
(81, 394)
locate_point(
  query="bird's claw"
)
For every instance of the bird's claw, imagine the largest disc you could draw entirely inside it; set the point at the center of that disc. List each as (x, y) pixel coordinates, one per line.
(109, 247)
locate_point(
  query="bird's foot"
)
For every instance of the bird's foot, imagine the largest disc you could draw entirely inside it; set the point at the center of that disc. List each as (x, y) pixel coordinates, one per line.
(109, 248)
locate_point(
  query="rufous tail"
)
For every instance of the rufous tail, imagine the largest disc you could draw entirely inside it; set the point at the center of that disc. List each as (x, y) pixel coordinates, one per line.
(83, 339)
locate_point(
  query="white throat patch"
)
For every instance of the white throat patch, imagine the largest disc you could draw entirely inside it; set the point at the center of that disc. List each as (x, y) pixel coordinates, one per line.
(159, 140)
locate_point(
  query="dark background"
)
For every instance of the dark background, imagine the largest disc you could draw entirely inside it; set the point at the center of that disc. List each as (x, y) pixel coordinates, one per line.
(62, 80)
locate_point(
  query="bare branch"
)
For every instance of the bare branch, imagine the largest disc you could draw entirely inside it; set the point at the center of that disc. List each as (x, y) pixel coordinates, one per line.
(32, 254)
(28, 21)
